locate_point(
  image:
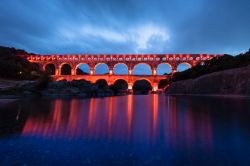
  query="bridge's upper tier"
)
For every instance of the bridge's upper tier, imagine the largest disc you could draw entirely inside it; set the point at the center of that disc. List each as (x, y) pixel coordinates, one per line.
(87, 58)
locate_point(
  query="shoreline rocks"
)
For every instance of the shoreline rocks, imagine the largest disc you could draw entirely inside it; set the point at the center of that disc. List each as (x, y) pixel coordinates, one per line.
(227, 82)
(81, 89)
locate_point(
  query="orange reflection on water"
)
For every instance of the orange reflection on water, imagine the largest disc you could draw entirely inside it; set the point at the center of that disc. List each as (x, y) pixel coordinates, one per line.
(155, 115)
(110, 116)
(138, 118)
(91, 114)
(130, 113)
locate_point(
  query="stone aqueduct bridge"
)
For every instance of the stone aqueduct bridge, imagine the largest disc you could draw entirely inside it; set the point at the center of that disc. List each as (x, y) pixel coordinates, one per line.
(130, 60)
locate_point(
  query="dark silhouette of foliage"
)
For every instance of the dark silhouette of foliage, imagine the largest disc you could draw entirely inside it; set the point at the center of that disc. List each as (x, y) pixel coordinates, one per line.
(163, 83)
(214, 65)
(115, 89)
(13, 66)
(43, 81)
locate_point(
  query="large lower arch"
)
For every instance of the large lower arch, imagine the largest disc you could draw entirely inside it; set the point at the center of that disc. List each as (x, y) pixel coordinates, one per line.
(102, 83)
(164, 69)
(101, 69)
(65, 69)
(142, 85)
(82, 69)
(183, 66)
(50, 69)
(120, 69)
(121, 84)
(142, 69)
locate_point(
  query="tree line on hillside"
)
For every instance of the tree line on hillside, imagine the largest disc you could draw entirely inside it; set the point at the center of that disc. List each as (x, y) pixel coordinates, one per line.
(13, 66)
(213, 65)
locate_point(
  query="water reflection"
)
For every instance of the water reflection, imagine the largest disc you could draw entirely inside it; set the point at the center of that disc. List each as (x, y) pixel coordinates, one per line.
(123, 119)
(110, 118)
(181, 127)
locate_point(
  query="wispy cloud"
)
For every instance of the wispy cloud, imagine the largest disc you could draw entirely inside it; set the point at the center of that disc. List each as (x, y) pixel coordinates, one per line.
(112, 26)
(146, 35)
(103, 33)
(141, 38)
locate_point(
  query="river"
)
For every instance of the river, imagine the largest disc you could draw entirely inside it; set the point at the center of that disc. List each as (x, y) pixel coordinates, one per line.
(126, 130)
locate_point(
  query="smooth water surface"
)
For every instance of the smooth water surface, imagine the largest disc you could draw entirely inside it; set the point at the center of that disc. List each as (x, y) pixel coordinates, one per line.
(127, 130)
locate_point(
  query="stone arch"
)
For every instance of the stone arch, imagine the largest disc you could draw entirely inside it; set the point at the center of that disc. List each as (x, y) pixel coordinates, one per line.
(123, 72)
(102, 71)
(121, 84)
(138, 85)
(138, 66)
(102, 83)
(142, 78)
(183, 66)
(65, 69)
(162, 68)
(85, 70)
(49, 68)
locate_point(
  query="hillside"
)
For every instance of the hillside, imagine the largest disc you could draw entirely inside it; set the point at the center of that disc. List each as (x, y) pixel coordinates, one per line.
(232, 81)
(216, 64)
(12, 66)
(222, 76)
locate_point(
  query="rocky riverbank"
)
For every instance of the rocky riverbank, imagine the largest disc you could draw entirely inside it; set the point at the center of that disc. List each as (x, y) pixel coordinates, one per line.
(81, 88)
(75, 88)
(227, 82)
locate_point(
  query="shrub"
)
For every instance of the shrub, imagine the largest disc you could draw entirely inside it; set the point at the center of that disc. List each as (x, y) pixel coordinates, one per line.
(43, 81)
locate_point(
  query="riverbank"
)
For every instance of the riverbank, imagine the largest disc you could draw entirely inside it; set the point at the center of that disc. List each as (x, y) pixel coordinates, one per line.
(228, 82)
(10, 89)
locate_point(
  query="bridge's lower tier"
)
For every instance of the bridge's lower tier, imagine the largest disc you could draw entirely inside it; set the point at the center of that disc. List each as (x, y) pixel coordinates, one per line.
(111, 79)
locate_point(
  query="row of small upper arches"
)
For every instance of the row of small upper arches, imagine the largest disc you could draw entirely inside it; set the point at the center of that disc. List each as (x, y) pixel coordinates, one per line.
(119, 69)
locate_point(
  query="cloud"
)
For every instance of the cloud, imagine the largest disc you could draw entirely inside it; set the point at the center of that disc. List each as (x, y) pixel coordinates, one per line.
(141, 38)
(111, 26)
(146, 35)
(102, 33)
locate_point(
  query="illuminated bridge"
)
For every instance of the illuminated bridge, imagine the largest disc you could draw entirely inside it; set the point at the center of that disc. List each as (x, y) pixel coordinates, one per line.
(56, 65)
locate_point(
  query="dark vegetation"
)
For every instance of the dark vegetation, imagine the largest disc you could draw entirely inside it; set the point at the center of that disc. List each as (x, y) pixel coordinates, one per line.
(214, 65)
(43, 81)
(13, 66)
(163, 83)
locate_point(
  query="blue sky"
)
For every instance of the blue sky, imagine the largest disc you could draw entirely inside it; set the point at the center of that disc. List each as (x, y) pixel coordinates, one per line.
(126, 26)
(140, 69)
